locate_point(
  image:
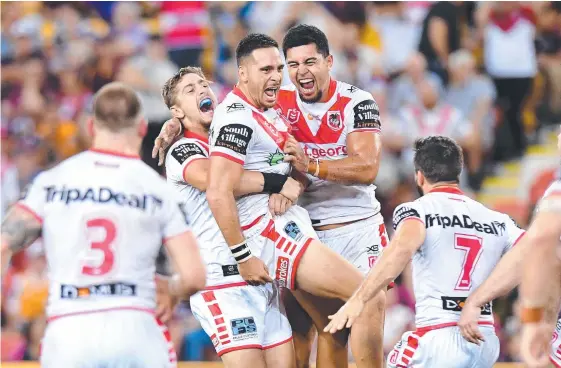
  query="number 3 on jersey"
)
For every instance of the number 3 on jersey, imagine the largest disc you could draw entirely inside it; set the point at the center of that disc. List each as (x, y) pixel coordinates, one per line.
(103, 245)
(472, 246)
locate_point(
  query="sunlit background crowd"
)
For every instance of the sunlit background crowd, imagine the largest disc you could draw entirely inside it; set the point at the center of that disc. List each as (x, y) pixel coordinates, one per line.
(485, 73)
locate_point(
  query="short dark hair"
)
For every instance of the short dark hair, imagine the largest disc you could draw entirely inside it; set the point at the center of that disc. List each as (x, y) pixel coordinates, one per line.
(305, 34)
(439, 158)
(169, 90)
(116, 106)
(251, 42)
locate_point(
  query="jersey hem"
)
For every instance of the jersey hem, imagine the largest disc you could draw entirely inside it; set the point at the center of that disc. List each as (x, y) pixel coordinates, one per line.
(227, 156)
(72, 314)
(30, 211)
(168, 238)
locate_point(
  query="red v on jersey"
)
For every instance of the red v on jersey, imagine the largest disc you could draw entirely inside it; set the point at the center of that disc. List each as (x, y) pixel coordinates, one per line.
(279, 137)
(331, 126)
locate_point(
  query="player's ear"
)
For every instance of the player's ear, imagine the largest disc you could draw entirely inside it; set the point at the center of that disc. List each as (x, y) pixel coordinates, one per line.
(177, 113)
(142, 128)
(419, 178)
(242, 73)
(329, 60)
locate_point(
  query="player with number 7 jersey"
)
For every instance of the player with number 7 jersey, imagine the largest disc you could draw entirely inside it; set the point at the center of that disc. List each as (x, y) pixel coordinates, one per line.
(104, 215)
(454, 243)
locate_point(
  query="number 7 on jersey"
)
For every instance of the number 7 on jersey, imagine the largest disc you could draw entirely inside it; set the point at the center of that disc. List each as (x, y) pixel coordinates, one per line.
(472, 246)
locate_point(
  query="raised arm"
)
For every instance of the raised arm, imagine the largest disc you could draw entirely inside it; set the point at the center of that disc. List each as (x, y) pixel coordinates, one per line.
(20, 228)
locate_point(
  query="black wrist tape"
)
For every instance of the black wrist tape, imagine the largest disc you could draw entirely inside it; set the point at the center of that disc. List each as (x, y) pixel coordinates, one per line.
(273, 183)
(241, 252)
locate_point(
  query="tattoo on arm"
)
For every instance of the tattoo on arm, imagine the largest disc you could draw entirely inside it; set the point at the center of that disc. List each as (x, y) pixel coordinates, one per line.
(19, 229)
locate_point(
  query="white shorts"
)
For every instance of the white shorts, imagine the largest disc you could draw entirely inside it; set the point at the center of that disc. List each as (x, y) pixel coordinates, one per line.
(361, 243)
(555, 355)
(280, 242)
(242, 317)
(115, 338)
(444, 348)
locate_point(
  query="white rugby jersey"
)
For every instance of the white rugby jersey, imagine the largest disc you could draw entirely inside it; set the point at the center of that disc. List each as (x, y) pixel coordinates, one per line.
(322, 130)
(253, 138)
(464, 242)
(105, 216)
(221, 266)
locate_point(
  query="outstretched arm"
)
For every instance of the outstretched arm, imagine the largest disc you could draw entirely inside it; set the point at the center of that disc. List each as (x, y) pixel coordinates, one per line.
(408, 238)
(20, 228)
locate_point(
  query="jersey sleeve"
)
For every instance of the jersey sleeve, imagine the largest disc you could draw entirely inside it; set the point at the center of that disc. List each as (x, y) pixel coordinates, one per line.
(175, 220)
(408, 211)
(180, 156)
(34, 196)
(513, 233)
(231, 135)
(363, 115)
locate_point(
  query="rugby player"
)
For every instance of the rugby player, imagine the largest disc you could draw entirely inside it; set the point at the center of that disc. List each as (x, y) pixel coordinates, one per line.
(507, 276)
(336, 129)
(103, 215)
(244, 322)
(454, 243)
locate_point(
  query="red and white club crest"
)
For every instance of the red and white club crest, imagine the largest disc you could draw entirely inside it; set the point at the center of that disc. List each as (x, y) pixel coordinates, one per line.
(293, 115)
(334, 120)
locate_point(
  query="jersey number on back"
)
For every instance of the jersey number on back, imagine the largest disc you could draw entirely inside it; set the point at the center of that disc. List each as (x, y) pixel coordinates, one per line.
(472, 246)
(104, 245)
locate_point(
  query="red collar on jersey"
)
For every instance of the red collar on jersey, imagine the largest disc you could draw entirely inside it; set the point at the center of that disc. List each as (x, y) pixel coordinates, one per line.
(189, 134)
(114, 153)
(451, 190)
(331, 90)
(238, 92)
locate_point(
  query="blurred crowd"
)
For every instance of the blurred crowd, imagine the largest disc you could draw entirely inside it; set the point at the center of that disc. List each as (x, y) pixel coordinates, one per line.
(486, 73)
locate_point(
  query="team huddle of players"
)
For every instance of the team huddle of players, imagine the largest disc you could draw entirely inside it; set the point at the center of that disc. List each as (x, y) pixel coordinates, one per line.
(271, 223)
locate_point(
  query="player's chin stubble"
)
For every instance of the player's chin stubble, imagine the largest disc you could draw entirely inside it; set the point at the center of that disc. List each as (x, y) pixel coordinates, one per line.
(311, 100)
(419, 190)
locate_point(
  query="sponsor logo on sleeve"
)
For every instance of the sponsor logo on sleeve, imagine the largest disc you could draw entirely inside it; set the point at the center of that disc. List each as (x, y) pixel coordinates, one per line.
(185, 150)
(235, 137)
(403, 213)
(243, 328)
(367, 115)
(352, 89)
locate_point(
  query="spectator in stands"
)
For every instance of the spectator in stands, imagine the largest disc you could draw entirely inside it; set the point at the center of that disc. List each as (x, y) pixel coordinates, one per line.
(548, 47)
(432, 116)
(510, 59)
(9, 180)
(147, 73)
(441, 35)
(474, 96)
(399, 37)
(403, 90)
(128, 32)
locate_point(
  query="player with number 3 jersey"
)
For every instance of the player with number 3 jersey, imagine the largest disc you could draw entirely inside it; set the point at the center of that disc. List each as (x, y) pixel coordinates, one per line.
(454, 243)
(103, 215)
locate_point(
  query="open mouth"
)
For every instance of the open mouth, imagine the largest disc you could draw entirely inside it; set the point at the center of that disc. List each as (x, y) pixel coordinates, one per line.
(206, 105)
(307, 84)
(271, 92)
